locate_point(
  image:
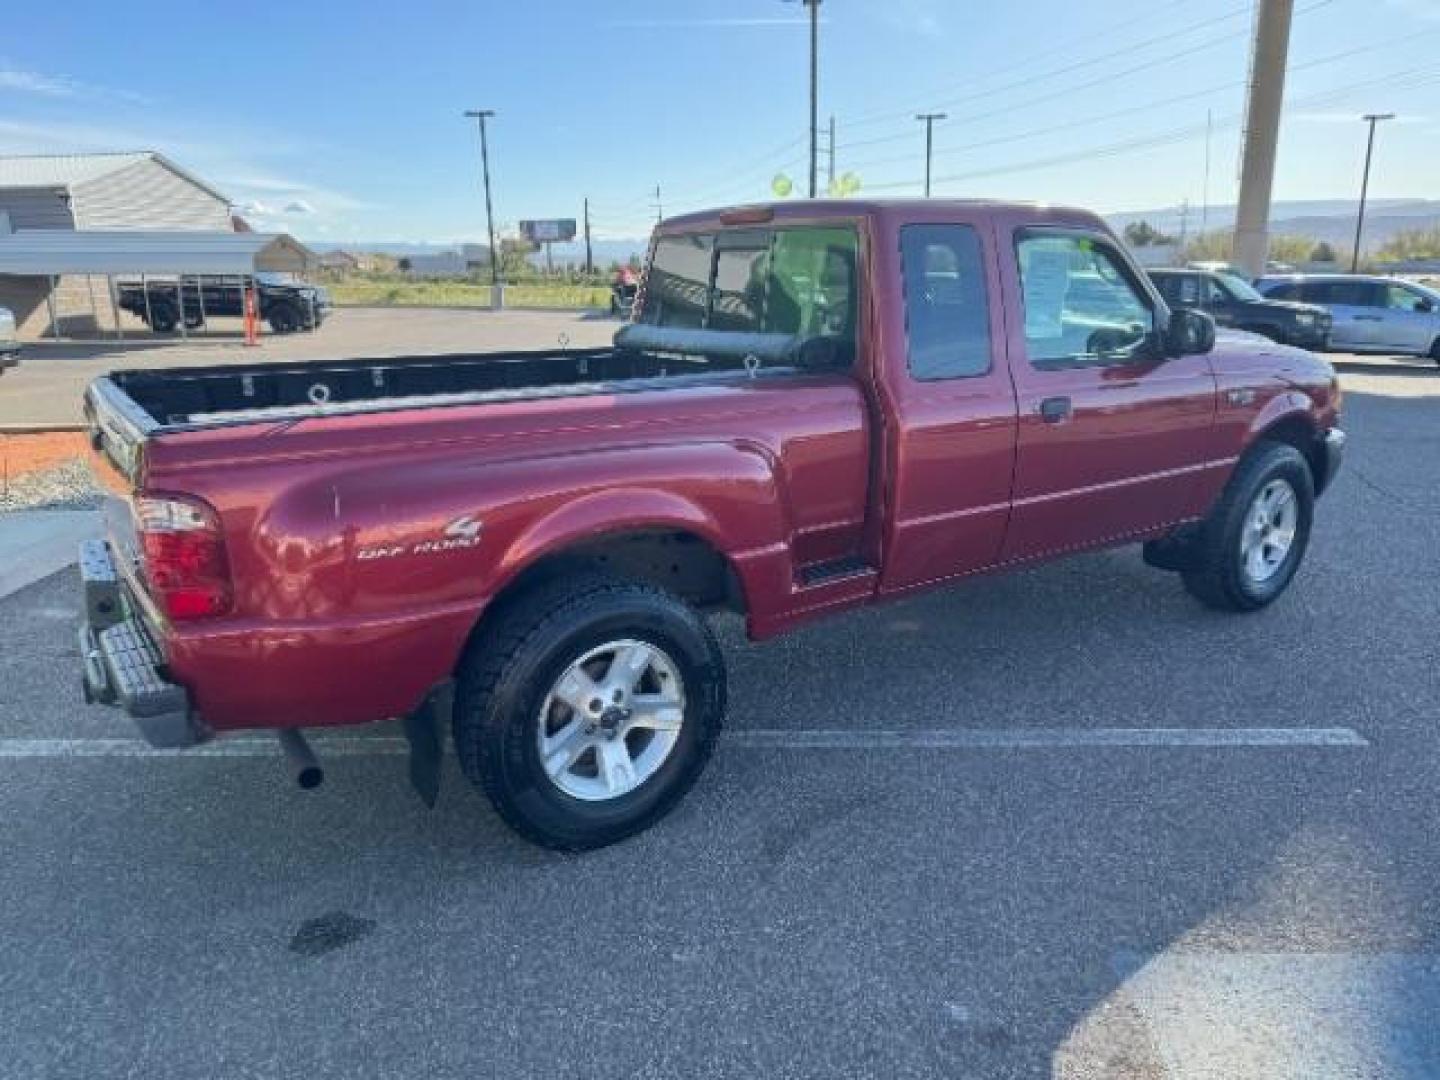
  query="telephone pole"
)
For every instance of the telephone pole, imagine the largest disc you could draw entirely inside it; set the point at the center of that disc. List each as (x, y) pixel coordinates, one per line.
(929, 118)
(589, 260)
(1372, 119)
(482, 115)
(830, 180)
(659, 207)
(814, 6)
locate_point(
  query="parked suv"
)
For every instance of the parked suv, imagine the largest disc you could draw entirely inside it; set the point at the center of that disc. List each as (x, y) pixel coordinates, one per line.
(1371, 314)
(1233, 302)
(285, 301)
(9, 346)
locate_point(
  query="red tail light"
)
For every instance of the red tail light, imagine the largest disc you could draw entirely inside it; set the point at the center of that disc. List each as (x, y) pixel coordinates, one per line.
(184, 555)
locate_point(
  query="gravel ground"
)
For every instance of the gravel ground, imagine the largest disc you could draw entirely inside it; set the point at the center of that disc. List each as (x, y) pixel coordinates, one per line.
(67, 486)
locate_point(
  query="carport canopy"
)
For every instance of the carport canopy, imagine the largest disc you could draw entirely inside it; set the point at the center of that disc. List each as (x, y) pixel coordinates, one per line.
(53, 252)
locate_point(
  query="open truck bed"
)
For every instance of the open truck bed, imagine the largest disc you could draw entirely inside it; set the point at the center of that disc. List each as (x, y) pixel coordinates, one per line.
(189, 398)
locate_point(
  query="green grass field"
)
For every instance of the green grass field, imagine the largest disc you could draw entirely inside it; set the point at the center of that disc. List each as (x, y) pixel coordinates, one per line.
(466, 294)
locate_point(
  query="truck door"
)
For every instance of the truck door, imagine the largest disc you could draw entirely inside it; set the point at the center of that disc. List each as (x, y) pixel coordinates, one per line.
(948, 402)
(1113, 435)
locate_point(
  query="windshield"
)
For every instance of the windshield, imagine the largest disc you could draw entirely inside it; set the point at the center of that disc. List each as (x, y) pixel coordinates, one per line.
(1239, 287)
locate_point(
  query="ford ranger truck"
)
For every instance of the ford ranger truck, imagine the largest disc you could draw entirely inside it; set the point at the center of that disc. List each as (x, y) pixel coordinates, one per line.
(819, 405)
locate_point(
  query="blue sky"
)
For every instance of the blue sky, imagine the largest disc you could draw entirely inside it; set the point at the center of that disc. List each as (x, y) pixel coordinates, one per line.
(342, 121)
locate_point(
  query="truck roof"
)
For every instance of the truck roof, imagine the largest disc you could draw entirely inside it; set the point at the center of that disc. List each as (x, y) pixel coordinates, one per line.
(901, 209)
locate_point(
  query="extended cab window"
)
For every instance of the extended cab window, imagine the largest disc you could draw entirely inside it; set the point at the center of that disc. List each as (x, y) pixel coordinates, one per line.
(797, 281)
(677, 287)
(947, 314)
(1178, 289)
(1081, 306)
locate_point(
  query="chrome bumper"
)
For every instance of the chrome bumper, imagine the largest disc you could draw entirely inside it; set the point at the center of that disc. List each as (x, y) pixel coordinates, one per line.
(1334, 455)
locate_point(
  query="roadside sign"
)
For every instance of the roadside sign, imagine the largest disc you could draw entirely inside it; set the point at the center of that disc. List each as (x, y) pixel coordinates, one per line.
(548, 231)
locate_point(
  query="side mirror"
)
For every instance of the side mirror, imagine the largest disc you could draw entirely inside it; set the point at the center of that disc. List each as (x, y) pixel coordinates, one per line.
(1425, 307)
(1190, 332)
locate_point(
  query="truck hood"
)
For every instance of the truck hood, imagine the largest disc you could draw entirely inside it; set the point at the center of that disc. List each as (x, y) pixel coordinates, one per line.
(1238, 353)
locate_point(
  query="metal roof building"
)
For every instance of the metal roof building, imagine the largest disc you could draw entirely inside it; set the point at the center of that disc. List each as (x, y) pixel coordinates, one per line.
(63, 219)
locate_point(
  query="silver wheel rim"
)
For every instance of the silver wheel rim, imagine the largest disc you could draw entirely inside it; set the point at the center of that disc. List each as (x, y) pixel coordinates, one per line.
(611, 720)
(1269, 531)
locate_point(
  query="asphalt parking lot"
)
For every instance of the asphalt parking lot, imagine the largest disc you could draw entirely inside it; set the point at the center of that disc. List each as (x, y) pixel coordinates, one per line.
(1018, 889)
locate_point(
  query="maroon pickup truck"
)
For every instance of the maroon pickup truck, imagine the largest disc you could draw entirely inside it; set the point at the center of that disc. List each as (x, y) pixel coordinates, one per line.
(819, 405)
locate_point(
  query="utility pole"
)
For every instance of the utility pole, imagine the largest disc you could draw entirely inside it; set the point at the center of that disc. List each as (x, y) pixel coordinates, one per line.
(589, 261)
(929, 118)
(814, 6)
(1372, 119)
(1184, 224)
(1205, 188)
(482, 115)
(659, 207)
(830, 179)
(1262, 132)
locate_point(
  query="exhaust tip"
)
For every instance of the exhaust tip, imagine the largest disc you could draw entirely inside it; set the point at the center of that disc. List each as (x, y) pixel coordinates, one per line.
(300, 758)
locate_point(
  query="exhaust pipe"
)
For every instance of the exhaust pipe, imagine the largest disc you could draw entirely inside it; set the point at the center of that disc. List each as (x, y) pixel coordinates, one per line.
(300, 758)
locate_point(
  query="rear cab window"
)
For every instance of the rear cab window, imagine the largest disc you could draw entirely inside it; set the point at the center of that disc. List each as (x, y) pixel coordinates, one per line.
(1083, 304)
(799, 281)
(947, 311)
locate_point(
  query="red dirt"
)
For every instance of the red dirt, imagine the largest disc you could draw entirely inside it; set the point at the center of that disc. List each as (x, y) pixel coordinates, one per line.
(21, 454)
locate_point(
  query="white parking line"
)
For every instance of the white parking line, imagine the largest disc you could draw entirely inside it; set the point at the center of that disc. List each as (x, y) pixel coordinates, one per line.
(1027, 738)
(755, 739)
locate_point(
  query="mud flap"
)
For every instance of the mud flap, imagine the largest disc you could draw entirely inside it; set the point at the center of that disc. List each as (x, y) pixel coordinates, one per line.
(425, 731)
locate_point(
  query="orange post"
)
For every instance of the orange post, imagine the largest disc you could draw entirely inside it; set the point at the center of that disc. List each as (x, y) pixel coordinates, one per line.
(252, 324)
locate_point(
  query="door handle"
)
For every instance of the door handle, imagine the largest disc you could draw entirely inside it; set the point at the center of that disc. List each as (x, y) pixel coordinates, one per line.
(1055, 410)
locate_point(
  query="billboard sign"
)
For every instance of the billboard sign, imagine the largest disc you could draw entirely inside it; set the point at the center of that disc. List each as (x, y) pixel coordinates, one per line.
(549, 231)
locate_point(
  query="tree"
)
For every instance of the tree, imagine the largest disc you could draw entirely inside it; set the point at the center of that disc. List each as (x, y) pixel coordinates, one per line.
(1323, 253)
(1142, 234)
(1208, 247)
(403, 265)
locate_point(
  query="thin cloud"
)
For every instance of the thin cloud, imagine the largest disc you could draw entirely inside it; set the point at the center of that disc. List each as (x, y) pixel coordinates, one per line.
(38, 83)
(721, 23)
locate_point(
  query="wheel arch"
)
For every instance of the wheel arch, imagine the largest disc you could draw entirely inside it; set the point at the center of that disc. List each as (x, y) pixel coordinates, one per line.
(1295, 426)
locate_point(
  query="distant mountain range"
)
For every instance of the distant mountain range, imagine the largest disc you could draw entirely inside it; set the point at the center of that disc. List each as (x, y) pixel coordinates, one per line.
(1332, 220)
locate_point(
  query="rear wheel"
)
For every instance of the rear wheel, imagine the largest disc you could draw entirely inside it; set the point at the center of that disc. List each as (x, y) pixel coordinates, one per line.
(589, 709)
(1255, 538)
(1435, 351)
(162, 318)
(283, 319)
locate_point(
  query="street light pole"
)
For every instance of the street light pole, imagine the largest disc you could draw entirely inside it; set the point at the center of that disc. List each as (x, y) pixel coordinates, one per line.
(481, 115)
(929, 118)
(1372, 119)
(814, 6)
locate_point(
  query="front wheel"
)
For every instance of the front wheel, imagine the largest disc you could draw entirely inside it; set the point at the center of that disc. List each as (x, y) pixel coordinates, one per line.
(283, 319)
(1256, 536)
(589, 709)
(1435, 351)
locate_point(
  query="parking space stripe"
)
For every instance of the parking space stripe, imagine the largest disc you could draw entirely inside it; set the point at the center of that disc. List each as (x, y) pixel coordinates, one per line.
(761, 738)
(1041, 738)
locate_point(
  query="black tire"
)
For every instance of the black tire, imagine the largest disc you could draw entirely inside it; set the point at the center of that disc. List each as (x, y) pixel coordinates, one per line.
(1218, 577)
(1435, 351)
(283, 319)
(509, 669)
(162, 318)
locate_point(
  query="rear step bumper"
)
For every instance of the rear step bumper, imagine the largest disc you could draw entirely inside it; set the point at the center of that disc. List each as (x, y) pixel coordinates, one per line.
(121, 665)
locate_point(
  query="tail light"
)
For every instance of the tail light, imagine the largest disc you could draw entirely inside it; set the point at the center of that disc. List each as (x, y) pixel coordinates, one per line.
(184, 555)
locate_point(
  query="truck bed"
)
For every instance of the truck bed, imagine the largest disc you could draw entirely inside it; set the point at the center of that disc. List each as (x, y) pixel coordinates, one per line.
(186, 398)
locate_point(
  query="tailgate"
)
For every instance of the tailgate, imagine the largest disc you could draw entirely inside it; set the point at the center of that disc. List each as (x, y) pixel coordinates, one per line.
(118, 430)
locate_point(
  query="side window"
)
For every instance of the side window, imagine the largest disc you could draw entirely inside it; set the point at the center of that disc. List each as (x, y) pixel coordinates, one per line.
(1171, 286)
(742, 263)
(947, 313)
(1353, 294)
(812, 284)
(1188, 288)
(1215, 293)
(678, 284)
(1081, 306)
(1284, 291)
(1399, 298)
